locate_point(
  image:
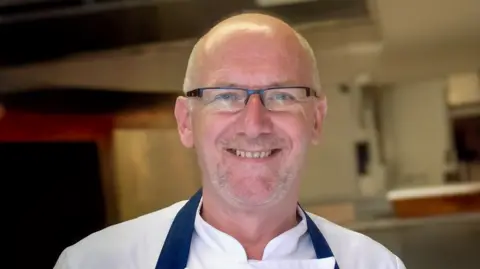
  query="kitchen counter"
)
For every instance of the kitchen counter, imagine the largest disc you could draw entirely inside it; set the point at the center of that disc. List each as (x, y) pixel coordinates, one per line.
(434, 191)
(435, 200)
(440, 242)
(397, 223)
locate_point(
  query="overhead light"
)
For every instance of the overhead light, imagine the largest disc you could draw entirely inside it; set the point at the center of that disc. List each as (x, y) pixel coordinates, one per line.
(274, 3)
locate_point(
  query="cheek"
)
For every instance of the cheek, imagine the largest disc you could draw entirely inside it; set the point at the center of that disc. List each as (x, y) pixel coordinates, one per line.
(207, 131)
(297, 135)
(297, 125)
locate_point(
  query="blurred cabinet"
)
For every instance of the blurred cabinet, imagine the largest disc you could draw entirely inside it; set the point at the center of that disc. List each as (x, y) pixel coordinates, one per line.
(152, 170)
(464, 89)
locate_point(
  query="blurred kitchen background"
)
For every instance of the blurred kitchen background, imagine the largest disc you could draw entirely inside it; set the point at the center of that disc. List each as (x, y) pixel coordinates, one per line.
(88, 138)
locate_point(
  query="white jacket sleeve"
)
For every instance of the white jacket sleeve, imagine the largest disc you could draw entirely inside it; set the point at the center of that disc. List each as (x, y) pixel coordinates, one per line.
(63, 262)
(400, 264)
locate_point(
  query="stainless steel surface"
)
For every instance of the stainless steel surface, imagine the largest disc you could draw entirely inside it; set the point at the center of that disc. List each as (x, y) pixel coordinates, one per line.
(438, 243)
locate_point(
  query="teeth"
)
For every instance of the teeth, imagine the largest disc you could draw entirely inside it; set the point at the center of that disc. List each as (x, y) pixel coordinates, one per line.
(253, 154)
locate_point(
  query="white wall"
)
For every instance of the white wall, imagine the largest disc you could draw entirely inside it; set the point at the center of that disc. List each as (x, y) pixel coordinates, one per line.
(330, 173)
(416, 132)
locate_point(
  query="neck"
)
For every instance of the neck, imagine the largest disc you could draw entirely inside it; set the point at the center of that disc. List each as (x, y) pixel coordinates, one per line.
(253, 228)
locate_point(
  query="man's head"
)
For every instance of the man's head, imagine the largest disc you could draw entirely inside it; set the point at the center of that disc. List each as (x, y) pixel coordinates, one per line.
(253, 106)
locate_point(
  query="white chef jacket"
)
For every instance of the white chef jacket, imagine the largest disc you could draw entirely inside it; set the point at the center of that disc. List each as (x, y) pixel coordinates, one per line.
(136, 244)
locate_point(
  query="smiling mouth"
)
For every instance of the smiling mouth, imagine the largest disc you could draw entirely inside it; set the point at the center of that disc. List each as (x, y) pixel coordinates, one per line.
(253, 154)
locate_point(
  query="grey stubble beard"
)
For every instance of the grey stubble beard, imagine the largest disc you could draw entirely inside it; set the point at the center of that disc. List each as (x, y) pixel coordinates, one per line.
(284, 180)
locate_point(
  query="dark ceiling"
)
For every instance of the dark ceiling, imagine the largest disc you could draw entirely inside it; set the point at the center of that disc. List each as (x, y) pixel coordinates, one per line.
(80, 101)
(39, 30)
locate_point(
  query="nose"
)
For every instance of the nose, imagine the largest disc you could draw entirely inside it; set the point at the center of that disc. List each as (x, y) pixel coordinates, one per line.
(256, 118)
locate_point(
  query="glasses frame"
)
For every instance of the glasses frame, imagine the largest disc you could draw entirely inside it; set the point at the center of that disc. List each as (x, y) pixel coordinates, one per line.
(198, 92)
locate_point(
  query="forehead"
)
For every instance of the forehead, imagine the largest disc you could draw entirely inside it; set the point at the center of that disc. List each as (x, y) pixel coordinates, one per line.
(256, 60)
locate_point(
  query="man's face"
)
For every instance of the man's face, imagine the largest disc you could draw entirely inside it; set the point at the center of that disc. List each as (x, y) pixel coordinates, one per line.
(253, 157)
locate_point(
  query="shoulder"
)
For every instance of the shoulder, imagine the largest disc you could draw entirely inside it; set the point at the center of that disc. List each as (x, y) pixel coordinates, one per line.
(355, 250)
(131, 244)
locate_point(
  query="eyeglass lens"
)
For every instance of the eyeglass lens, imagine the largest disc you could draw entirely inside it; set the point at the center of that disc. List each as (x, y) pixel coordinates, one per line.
(235, 99)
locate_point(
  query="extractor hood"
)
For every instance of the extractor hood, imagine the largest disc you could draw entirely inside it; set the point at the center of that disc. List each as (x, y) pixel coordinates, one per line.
(41, 30)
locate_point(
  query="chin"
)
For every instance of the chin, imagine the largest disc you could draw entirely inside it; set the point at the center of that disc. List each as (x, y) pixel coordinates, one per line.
(247, 197)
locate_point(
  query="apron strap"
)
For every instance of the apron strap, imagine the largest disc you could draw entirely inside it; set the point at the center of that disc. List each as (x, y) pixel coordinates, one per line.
(320, 244)
(322, 249)
(176, 249)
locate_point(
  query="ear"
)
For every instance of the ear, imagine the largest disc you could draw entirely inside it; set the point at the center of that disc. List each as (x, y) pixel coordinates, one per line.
(320, 111)
(184, 121)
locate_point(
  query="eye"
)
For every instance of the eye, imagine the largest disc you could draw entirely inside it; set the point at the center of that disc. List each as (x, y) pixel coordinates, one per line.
(224, 96)
(283, 97)
(227, 96)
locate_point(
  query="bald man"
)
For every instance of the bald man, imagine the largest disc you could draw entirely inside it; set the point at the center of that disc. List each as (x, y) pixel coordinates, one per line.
(252, 106)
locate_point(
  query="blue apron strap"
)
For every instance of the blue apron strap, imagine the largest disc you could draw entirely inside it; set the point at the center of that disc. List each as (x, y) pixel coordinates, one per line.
(175, 250)
(320, 244)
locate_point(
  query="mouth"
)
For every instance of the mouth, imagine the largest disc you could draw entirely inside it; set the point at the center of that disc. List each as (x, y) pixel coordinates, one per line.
(253, 154)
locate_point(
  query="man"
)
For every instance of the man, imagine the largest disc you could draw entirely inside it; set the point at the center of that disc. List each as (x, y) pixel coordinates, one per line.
(253, 105)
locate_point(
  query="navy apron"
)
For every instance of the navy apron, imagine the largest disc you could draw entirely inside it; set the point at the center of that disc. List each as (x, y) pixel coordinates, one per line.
(175, 251)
